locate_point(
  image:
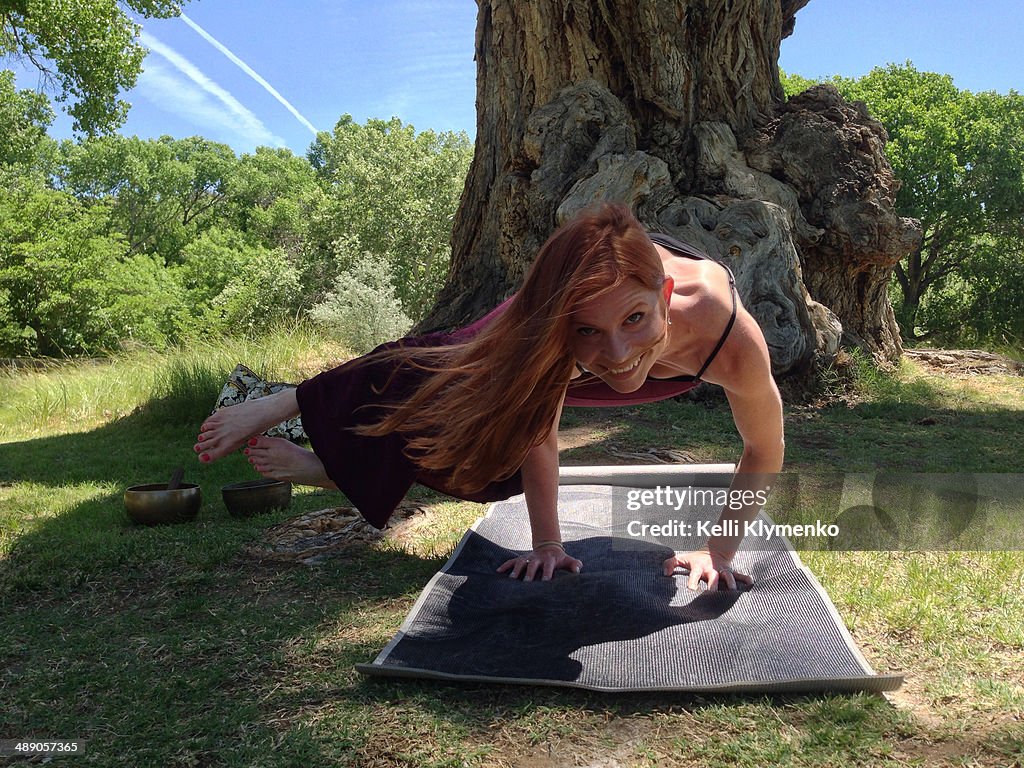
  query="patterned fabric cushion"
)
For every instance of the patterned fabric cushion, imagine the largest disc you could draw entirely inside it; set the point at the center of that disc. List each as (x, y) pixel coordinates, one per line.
(243, 384)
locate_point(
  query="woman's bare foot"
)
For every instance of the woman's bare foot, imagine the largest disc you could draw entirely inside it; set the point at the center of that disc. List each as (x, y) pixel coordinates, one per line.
(228, 429)
(279, 459)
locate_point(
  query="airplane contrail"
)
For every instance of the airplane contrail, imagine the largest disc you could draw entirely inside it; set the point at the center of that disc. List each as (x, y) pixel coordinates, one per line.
(249, 71)
(247, 121)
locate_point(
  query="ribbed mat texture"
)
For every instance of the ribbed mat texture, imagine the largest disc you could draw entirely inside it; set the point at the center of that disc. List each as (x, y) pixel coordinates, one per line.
(620, 625)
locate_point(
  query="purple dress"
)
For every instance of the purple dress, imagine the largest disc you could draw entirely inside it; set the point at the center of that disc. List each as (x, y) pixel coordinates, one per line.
(374, 472)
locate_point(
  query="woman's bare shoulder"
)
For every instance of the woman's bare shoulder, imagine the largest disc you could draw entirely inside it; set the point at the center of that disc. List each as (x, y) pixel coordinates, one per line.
(703, 279)
(702, 297)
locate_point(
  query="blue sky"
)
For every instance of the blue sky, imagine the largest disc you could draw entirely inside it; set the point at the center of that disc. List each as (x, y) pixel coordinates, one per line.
(414, 59)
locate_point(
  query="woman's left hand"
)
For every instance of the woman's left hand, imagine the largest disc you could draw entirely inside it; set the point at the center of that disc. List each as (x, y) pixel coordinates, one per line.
(707, 566)
(545, 561)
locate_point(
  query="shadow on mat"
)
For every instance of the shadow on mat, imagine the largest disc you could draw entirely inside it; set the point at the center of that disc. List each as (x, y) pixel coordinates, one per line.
(497, 625)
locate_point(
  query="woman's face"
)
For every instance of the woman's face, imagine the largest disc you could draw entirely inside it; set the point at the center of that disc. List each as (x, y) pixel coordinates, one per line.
(619, 335)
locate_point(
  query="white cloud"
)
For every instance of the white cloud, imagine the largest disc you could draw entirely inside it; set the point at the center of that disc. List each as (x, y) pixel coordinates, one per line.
(199, 97)
(249, 71)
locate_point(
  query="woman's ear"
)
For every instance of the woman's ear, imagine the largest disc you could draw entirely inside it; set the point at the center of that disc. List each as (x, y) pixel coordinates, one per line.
(667, 287)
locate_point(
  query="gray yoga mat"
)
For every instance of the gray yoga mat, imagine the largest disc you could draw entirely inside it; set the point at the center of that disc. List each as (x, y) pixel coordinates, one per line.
(620, 625)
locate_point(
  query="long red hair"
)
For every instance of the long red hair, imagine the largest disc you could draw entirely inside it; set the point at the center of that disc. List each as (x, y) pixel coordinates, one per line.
(486, 402)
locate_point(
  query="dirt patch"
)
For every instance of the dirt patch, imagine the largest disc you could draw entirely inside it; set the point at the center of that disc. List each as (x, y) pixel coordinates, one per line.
(965, 362)
(315, 536)
(625, 455)
(577, 437)
(984, 746)
(910, 698)
(586, 437)
(611, 745)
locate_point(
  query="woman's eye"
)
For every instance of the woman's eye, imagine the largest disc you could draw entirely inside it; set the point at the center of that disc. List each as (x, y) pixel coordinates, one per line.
(635, 318)
(586, 331)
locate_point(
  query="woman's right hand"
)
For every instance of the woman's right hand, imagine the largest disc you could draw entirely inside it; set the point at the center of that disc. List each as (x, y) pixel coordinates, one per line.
(545, 560)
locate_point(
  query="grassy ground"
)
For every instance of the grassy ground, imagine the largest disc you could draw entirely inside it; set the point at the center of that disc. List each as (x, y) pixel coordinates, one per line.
(168, 647)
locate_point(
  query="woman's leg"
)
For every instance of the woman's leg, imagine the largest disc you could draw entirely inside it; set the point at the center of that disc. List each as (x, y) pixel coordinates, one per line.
(228, 429)
(279, 459)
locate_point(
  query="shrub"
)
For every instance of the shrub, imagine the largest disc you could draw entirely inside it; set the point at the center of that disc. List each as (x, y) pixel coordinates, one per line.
(235, 287)
(362, 310)
(67, 287)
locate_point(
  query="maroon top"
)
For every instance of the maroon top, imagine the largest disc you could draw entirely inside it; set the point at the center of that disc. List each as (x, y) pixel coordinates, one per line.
(374, 472)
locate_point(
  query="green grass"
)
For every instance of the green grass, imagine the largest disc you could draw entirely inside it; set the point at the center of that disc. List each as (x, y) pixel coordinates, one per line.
(167, 646)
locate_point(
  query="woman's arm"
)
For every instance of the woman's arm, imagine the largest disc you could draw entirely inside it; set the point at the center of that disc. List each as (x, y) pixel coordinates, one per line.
(540, 487)
(743, 369)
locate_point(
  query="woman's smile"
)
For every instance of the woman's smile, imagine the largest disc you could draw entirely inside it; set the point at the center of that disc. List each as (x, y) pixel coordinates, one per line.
(625, 370)
(618, 335)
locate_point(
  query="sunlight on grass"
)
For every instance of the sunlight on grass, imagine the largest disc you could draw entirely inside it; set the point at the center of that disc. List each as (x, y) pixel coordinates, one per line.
(64, 397)
(954, 621)
(26, 506)
(436, 532)
(965, 392)
(212, 643)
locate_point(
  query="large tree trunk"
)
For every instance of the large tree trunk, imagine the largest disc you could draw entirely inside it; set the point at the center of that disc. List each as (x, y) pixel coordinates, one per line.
(675, 107)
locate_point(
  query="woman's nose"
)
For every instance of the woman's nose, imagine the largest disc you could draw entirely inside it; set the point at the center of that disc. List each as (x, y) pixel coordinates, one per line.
(616, 348)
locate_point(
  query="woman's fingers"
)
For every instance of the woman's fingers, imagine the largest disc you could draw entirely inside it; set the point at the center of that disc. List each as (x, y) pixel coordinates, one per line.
(517, 566)
(669, 565)
(696, 575)
(702, 566)
(728, 578)
(534, 565)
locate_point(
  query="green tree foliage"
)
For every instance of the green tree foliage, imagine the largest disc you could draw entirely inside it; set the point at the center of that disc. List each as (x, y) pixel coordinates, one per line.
(259, 297)
(114, 239)
(960, 160)
(162, 193)
(273, 196)
(235, 286)
(87, 49)
(24, 118)
(67, 287)
(395, 193)
(959, 157)
(984, 302)
(792, 84)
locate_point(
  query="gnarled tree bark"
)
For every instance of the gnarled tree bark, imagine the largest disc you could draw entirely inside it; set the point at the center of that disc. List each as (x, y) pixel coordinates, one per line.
(675, 107)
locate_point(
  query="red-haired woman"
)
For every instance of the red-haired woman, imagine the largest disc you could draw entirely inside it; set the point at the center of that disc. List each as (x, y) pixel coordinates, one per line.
(608, 315)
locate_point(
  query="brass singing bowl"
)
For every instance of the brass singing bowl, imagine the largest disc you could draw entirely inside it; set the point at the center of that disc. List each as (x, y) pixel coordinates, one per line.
(153, 504)
(254, 497)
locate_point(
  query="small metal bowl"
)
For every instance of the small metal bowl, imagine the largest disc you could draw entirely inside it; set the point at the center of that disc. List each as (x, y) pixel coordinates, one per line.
(153, 504)
(254, 497)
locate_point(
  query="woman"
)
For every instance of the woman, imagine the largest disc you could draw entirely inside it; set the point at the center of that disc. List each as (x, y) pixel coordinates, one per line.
(608, 315)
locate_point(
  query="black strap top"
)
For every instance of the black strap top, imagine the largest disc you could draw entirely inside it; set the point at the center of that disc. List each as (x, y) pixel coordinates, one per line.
(690, 252)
